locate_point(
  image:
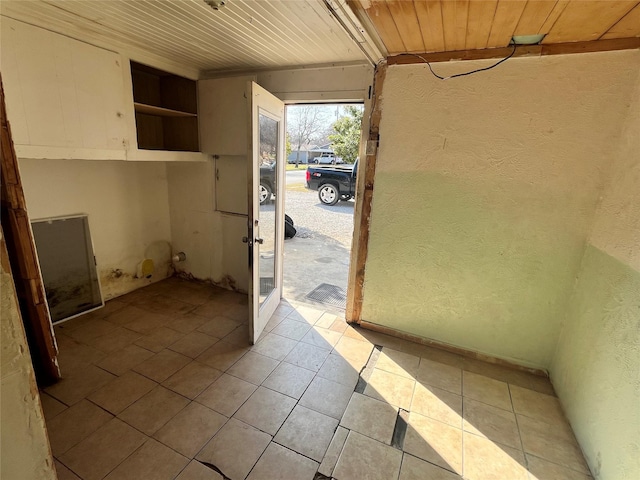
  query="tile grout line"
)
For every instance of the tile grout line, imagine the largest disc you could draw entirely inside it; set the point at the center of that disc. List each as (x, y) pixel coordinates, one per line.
(147, 437)
(67, 466)
(515, 416)
(363, 377)
(373, 358)
(341, 449)
(289, 414)
(297, 403)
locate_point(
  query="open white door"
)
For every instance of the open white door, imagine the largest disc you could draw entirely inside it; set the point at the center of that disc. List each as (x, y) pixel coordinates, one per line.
(266, 206)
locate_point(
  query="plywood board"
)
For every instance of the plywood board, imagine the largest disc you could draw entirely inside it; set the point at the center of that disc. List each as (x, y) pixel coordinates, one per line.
(404, 15)
(628, 26)
(382, 19)
(534, 16)
(481, 15)
(584, 21)
(506, 19)
(454, 18)
(429, 15)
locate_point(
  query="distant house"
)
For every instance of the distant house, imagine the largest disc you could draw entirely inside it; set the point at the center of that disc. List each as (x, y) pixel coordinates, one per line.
(305, 154)
(303, 158)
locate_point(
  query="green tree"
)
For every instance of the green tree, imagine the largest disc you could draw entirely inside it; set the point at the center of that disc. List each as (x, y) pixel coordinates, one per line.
(305, 124)
(346, 139)
(287, 145)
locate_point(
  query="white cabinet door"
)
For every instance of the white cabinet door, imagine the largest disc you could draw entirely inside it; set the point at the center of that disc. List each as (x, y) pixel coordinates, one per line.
(222, 116)
(65, 98)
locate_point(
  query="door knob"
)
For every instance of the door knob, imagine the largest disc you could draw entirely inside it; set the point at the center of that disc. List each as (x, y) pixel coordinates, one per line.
(246, 240)
(260, 241)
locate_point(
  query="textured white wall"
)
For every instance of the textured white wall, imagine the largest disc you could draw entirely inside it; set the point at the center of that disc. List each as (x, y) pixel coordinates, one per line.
(596, 368)
(128, 208)
(212, 240)
(485, 190)
(25, 452)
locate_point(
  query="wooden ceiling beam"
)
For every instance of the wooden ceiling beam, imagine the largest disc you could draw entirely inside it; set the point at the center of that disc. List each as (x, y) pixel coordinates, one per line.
(522, 51)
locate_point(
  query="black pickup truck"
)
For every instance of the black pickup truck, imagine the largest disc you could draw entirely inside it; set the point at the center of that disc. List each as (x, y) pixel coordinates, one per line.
(333, 183)
(267, 182)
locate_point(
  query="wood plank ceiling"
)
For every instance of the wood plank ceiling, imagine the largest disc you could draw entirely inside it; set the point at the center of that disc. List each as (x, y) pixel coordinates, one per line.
(243, 35)
(456, 25)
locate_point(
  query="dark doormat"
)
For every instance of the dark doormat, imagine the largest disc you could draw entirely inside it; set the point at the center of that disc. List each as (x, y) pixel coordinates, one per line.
(329, 295)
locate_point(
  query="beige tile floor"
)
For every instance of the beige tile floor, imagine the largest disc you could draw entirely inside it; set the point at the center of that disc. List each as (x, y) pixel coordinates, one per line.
(163, 384)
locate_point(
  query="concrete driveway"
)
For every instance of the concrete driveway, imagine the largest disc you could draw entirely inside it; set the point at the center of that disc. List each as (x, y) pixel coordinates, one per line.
(319, 253)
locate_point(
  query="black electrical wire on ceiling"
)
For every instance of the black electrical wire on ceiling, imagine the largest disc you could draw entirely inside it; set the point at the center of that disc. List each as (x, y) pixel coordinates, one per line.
(465, 73)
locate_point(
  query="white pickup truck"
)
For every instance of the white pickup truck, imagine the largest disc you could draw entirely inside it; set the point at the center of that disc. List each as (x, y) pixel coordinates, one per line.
(327, 159)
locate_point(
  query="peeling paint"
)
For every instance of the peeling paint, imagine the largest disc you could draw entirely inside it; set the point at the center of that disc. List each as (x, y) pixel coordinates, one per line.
(128, 209)
(227, 282)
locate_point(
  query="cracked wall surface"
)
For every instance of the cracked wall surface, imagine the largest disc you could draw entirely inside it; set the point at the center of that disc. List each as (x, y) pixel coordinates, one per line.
(24, 445)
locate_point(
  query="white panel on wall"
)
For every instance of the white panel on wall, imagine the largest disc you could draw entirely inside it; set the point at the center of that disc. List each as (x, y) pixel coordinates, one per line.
(223, 115)
(231, 185)
(61, 92)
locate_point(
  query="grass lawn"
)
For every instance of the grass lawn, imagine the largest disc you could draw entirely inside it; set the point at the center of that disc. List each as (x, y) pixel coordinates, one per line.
(292, 166)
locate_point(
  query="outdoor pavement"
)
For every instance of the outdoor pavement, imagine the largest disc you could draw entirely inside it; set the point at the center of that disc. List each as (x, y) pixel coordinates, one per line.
(319, 253)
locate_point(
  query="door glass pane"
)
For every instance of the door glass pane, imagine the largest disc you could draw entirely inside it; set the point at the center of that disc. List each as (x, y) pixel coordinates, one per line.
(267, 189)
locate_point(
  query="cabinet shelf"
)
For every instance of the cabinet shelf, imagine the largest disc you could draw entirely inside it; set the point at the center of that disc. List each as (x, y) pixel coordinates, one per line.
(160, 111)
(166, 108)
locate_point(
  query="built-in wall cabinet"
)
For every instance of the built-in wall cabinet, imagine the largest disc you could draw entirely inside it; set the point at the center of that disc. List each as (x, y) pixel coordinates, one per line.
(68, 99)
(166, 110)
(65, 98)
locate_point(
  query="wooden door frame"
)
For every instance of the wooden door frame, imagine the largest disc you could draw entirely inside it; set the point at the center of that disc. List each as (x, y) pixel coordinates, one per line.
(364, 199)
(24, 261)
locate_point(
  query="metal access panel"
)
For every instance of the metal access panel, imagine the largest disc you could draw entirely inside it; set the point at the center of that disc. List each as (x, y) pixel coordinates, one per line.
(68, 266)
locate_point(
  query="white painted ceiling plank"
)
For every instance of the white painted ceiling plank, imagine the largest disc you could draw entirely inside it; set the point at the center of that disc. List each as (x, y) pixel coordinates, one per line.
(244, 34)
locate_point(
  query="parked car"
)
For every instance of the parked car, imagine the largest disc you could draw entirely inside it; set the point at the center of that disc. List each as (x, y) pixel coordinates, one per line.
(333, 183)
(267, 182)
(327, 158)
(292, 160)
